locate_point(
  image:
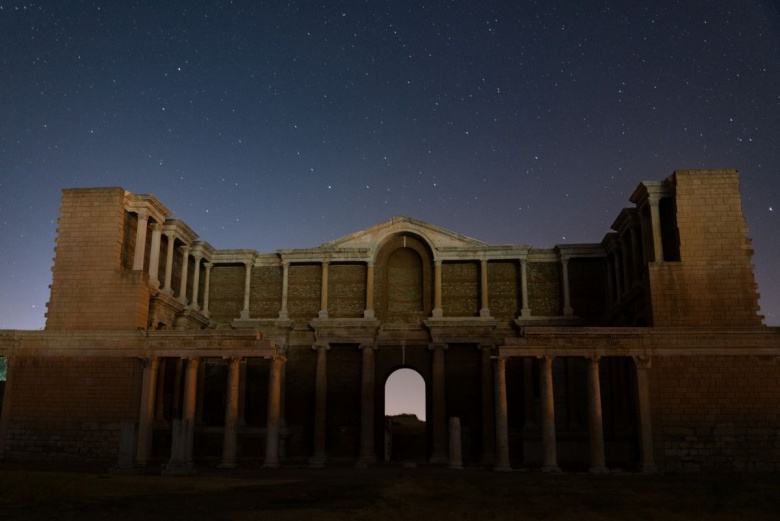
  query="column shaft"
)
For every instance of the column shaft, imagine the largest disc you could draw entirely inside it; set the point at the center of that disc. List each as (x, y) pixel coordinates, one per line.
(190, 405)
(550, 462)
(437, 309)
(646, 457)
(488, 408)
(439, 454)
(483, 286)
(169, 264)
(185, 265)
(146, 416)
(247, 284)
(196, 283)
(526, 310)
(320, 408)
(595, 422)
(324, 292)
(140, 240)
(655, 217)
(368, 379)
(274, 412)
(567, 310)
(285, 281)
(154, 258)
(369, 312)
(502, 417)
(205, 309)
(231, 415)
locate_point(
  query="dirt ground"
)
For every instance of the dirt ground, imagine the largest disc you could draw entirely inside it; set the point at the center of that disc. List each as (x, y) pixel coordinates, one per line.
(384, 493)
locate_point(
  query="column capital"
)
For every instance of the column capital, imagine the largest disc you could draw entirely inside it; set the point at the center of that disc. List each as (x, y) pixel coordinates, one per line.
(593, 358)
(208, 265)
(185, 249)
(157, 227)
(485, 345)
(433, 345)
(371, 346)
(437, 262)
(143, 214)
(370, 263)
(643, 362)
(321, 345)
(549, 358)
(233, 358)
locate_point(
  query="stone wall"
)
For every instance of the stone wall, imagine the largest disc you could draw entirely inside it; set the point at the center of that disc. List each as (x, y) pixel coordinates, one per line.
(460, 289)
(716, 413)
(544, 288)
(65, 409)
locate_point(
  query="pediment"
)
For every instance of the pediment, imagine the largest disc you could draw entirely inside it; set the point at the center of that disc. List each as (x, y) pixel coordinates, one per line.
(438, 238)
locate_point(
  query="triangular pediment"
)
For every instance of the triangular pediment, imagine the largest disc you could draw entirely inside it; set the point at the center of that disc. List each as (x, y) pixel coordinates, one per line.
(370, 238)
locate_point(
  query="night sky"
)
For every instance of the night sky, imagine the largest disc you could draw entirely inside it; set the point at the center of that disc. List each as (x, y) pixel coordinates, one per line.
(273, 125)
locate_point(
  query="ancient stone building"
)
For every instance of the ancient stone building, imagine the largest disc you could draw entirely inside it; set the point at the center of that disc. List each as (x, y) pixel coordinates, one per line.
(642, 351)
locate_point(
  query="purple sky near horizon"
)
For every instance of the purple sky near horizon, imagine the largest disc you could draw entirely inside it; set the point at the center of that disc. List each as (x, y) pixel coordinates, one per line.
(275, 124)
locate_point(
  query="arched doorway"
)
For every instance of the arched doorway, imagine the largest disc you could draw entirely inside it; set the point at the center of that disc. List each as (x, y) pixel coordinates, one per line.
(405, 402)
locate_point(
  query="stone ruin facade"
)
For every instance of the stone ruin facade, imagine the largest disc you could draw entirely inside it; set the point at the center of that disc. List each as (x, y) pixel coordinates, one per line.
(643, 351)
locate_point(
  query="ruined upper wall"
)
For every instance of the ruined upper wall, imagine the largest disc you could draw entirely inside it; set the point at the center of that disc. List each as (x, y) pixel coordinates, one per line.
(710, 282)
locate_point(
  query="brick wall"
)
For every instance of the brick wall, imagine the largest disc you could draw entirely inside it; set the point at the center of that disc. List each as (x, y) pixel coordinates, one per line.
(504, 289)
(265, 293)
(226, 293)
(716, 413)
(713, 283)
(460, 289)
(544, 288)
(71, 410)
(89, 288)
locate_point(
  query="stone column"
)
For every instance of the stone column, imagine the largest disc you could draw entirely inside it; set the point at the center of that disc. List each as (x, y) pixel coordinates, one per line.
(627, 272)
(529, 422)
(231, 415)
(196, 282)
(205, 310)
(526, 310)
(247, 283)
(169, 264)
(502, 417)
(285, 282)
(324, 291)
(618, 275)
(320, 407)
(146, 416)
(488, 413)
(437, 309)
(369, 311)
(185, 266)
(483, 286)
(190, 404)
(595, 422)
(154, 257)
(635, 253)
(368, 379)
(655, 217)
(159, 406)
(646, 457)
(439, 454)
(550, 462)
(567, 310)
(140, 239)
(456, 454)
(274, 413)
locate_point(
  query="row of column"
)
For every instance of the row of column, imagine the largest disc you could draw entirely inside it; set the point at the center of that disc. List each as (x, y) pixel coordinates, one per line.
(437, 311)
(154, 261)
(624, 264)
(183, 429)
(595, 421)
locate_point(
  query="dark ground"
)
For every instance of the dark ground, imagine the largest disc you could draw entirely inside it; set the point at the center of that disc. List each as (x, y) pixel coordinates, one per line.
(384, 493)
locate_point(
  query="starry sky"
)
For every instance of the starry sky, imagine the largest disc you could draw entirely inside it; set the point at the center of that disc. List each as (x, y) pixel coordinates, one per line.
(283, 124)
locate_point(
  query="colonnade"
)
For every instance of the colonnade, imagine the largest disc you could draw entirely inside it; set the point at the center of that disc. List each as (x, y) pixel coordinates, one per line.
(368, 312)
(181, 458)
(595, 419)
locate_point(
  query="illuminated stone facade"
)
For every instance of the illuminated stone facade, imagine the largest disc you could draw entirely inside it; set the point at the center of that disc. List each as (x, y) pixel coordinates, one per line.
(642, 351)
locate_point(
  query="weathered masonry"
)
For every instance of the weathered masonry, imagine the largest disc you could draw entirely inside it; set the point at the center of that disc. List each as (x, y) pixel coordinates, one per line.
(643, 351)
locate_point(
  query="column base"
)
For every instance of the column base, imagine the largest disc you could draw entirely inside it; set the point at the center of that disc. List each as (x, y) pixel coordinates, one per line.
(502, 467)
(368, 313)
(363, 463)
(226, 465)
(648, 469)
(599, 470)
(271, 465)
(317, 461)
(439, 457)
(484, 313)
(437, 313)
(323, 313)
(551, 470)
(455, 466)
(244, 314)
(283, 315)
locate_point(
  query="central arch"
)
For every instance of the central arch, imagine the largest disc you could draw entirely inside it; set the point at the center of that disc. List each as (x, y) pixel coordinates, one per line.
(403, 279)
(405, 413)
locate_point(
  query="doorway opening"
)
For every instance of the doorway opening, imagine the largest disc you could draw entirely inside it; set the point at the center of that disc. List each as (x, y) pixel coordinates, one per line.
(405, 429)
